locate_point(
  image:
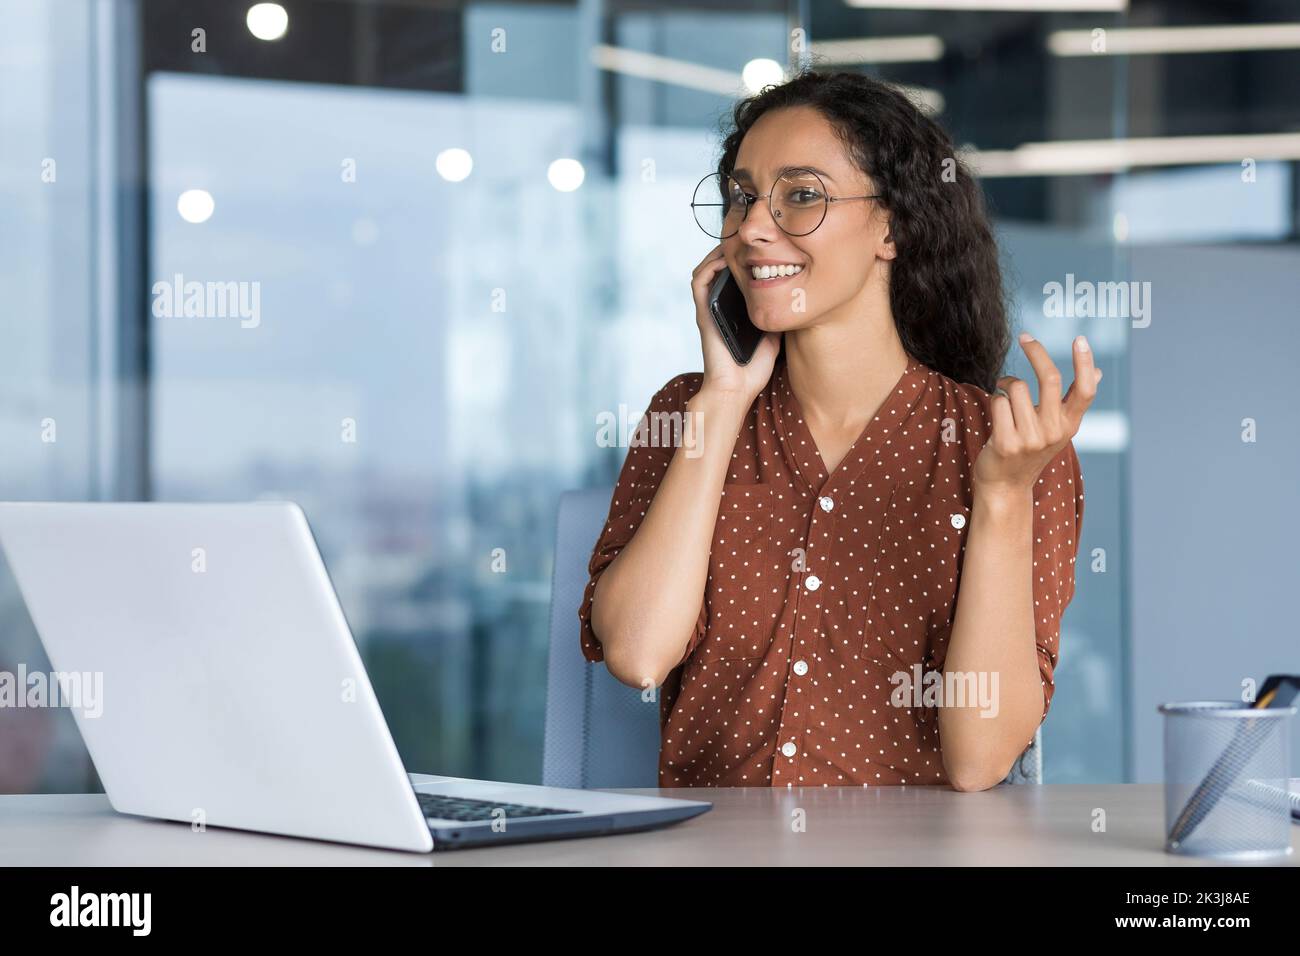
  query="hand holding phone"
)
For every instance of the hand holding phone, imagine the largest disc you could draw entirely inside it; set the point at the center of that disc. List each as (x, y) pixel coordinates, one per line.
(731, 316)
(738, 356)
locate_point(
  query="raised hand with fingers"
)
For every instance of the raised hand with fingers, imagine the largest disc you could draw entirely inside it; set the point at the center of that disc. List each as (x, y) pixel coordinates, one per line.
(1025, 437)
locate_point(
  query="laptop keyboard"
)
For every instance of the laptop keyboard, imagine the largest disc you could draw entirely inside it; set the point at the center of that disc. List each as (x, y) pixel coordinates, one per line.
(467, 810)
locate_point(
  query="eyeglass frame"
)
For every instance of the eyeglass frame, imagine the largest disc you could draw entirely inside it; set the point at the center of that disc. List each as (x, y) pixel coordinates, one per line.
(749, 203)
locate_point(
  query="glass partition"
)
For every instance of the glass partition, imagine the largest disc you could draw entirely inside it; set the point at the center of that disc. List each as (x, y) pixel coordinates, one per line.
(438, 246)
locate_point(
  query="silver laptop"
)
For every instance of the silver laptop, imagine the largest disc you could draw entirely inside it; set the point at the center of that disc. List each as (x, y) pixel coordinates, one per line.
(230, 689)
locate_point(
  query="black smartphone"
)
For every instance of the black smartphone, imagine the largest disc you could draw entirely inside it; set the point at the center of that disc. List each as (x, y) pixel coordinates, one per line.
(731, 316)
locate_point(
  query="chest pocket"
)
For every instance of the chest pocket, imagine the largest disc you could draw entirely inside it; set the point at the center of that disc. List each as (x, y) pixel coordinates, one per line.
(914, 594)
(747, 577)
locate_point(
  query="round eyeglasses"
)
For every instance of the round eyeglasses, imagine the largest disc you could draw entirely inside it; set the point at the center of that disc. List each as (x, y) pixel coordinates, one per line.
(798, 203)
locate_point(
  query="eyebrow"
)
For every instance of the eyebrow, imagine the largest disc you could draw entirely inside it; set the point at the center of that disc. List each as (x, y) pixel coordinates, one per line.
(785, 169)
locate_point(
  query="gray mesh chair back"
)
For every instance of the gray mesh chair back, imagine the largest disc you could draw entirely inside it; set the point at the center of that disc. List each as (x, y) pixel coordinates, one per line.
(599, 732)
(1028, 768)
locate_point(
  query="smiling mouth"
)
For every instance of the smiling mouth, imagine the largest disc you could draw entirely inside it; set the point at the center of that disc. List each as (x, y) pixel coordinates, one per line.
(772, 280)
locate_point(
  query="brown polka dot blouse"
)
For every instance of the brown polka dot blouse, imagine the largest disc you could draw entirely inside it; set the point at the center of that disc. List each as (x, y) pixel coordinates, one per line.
(823, 585)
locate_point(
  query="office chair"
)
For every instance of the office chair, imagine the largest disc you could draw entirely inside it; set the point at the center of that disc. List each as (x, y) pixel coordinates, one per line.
(600, 732)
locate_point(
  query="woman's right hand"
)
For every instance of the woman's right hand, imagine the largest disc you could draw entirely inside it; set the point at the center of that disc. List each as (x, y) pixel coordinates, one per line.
(721, 373)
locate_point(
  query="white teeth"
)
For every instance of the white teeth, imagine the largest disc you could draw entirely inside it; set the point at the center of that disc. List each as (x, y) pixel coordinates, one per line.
(770, 272)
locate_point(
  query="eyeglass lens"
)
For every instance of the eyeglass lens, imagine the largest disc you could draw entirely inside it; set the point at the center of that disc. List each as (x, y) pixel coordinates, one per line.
(798, 204)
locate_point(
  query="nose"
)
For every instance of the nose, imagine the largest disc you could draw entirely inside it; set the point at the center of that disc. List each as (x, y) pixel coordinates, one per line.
(758, 225)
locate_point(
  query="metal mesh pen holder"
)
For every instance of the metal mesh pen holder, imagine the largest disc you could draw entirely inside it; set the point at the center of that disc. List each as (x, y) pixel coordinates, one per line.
(1226, 769)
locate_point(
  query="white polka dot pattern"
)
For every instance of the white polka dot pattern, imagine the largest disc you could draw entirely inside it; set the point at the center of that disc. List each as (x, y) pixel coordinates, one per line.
(823, 585)
(747, 583)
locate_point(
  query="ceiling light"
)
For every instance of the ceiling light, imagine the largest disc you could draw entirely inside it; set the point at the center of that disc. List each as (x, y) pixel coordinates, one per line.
(1216, 39)
(904, 49)
(1079, 157)
(267, 21)
(1024, 6)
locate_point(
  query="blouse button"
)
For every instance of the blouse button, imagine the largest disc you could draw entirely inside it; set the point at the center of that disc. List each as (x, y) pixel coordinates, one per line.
(801, 667)
(813, 582)
(826, 502)
(959, 520)
(788, 748)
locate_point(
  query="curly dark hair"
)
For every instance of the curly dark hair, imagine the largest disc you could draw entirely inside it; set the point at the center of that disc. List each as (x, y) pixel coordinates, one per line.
(945, 284)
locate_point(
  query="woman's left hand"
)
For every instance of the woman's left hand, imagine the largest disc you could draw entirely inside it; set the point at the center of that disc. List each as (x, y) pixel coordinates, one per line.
(1026, 438)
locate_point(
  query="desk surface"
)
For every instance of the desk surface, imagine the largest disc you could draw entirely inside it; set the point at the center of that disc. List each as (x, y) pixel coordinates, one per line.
(845, 826)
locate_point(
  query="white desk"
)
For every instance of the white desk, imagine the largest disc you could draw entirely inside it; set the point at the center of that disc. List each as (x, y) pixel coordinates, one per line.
(876, 826)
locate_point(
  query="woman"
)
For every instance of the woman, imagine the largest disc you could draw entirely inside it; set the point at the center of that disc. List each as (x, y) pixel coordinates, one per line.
(857, 574)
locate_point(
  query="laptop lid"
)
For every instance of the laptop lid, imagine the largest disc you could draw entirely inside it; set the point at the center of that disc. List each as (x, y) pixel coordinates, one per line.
(233, 693)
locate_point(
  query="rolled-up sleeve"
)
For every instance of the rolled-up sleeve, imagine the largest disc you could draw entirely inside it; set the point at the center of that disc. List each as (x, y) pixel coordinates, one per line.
(1058, 527)
(647, 461)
